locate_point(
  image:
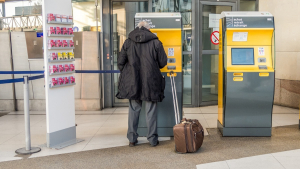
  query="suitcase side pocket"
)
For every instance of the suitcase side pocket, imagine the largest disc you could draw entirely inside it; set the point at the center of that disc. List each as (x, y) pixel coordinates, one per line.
(179, 138)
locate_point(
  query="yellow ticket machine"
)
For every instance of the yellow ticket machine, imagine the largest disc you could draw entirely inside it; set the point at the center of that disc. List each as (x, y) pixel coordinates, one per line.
(167, 27)
(246, 73)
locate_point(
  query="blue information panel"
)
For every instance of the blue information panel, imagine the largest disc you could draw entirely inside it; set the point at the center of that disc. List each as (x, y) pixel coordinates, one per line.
(242, 56)
(39, 34)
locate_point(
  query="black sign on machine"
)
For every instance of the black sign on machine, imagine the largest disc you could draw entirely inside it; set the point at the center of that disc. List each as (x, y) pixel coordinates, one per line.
(149, 21)
(238, 22)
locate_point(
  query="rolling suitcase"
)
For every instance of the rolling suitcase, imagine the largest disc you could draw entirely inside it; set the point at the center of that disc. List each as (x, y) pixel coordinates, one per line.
(189, 133)
(188, 136)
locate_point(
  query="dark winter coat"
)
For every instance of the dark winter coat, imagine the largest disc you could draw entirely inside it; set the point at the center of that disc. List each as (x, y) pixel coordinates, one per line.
(141, 58)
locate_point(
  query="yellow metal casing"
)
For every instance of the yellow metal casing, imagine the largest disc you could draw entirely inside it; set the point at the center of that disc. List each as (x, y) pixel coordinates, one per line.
(171, 38)
(220, 75)
(257, 38)
(246, 73)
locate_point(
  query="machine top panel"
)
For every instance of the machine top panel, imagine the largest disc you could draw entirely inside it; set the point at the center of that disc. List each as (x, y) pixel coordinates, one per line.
(245, 14)
(247, 20)
(159, 20)
(158, 15)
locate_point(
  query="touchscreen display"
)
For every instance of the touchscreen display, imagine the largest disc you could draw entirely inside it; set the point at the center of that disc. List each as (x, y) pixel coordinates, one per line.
(242, 56)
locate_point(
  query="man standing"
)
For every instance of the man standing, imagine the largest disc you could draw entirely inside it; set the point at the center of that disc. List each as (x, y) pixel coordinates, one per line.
(141, 58)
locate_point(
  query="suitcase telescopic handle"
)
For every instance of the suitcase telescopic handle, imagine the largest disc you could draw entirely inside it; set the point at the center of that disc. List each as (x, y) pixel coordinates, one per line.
(175, 100)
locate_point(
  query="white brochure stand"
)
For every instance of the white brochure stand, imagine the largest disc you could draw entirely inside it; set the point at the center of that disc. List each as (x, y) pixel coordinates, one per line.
(60, 101)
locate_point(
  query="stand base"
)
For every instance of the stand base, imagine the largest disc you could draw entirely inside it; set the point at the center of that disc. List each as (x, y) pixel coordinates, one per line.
(23, 151)
(244, 131)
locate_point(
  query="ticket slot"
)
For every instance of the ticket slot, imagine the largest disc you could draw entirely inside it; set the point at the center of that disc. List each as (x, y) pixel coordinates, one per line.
(171, 67)
(264, 74)
(171, 60)
(237, 74)
(238, 79)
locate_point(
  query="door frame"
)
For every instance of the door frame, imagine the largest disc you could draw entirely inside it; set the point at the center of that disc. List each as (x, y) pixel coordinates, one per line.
(197, 46)
(107, 49)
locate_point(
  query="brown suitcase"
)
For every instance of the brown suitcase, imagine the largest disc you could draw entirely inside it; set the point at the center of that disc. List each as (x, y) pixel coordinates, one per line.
(188, 136)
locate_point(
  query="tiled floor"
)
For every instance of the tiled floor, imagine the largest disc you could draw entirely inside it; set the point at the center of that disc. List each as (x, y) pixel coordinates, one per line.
(280, 160)
(107, 128)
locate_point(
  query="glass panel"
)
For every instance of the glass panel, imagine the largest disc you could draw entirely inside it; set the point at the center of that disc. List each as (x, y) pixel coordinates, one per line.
(187, 31)
(84, 16)
(210, 23)
(185, 8)
(210, 62)
(187, 79)
(123, 24)
(23, 8)
(247, 5)
(210, 77)
(1, 11)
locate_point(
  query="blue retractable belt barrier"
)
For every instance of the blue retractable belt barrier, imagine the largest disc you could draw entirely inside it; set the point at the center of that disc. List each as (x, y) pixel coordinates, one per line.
(20, 79)
(11, 81)
(36, 77)
(22, 72)
(42, 76)
(97, 71)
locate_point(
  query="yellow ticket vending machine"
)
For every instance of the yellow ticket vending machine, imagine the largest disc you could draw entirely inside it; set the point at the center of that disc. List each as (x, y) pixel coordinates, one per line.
(246, 73)
(167, 27)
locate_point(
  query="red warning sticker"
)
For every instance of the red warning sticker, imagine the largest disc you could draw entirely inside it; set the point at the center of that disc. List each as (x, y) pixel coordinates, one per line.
(214, 37)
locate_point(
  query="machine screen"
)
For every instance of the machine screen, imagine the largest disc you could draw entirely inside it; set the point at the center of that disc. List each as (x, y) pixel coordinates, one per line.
(242, 56)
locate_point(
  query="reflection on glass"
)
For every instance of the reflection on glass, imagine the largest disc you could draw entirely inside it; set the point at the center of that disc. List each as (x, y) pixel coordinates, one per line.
(210, 77)
(247, 5)
(187, 31)
(185, 8)
(187, 79)
(171, 5)
(84, 15)
(123, 24)
(210, 23)
(23, 8)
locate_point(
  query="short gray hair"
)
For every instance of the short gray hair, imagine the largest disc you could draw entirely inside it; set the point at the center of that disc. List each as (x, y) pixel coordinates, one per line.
(144, 24)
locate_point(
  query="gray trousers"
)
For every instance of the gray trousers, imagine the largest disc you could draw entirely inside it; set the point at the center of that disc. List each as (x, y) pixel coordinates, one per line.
(135, 107)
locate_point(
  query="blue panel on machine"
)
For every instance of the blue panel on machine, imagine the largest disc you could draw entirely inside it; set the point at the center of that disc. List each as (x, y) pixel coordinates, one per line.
(242, 56)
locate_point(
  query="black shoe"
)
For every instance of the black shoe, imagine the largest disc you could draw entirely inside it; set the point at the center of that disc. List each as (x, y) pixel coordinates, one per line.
(132, 144)
(154, 145)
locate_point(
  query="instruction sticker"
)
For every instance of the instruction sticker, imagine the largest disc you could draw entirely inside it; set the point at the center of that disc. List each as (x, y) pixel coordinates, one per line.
(240, 36)
(170, 51)
(261, 51)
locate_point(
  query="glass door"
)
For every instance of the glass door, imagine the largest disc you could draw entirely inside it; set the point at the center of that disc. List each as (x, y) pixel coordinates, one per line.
(122, 24)
(210, 13)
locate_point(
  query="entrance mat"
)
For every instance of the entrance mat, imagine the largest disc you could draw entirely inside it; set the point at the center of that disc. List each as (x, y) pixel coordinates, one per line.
(215, 148)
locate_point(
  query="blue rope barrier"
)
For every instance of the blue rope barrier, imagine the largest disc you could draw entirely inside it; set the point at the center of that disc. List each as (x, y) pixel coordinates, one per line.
(20, 79)
(76, 71)
(11, 81)
(42, 76)
(36, 77)
(97, 71)
(22, 72)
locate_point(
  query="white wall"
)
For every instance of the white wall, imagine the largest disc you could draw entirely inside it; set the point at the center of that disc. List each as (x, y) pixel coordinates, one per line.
(287, 73)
